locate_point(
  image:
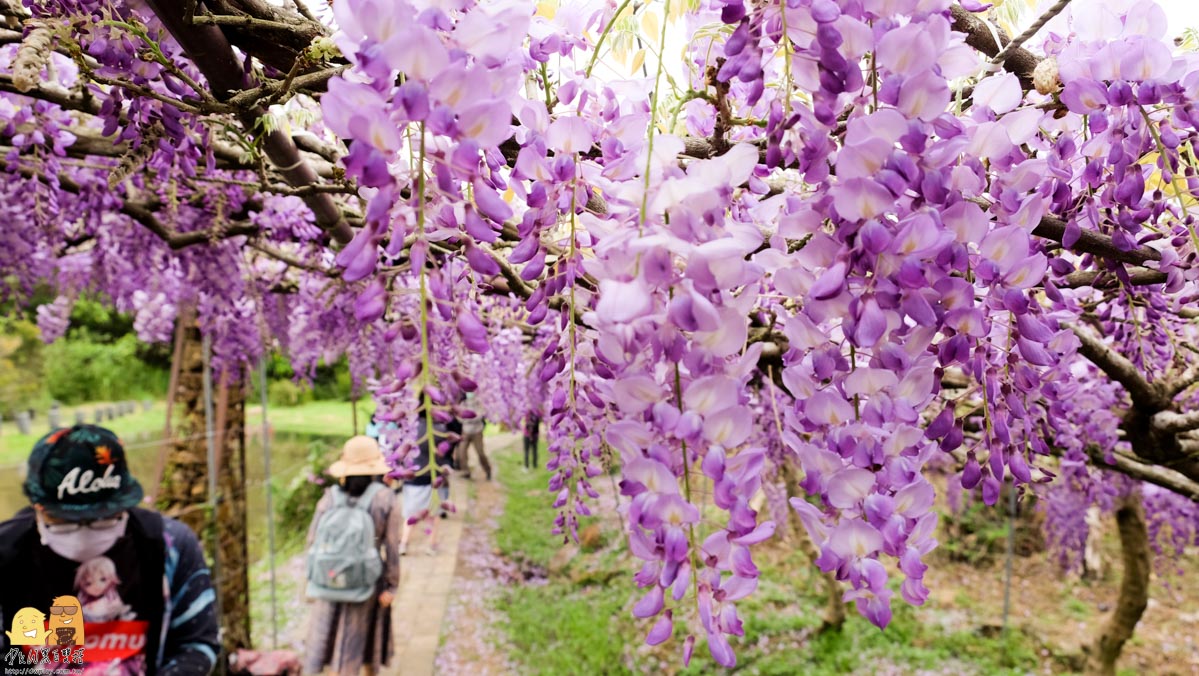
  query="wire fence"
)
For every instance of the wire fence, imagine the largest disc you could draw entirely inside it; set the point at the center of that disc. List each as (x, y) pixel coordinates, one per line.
(31, 420)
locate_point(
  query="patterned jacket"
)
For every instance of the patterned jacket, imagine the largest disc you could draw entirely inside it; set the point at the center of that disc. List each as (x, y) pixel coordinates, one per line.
(182, 638)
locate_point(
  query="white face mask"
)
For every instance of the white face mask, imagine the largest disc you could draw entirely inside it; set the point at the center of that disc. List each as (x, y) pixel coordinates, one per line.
(83, 543)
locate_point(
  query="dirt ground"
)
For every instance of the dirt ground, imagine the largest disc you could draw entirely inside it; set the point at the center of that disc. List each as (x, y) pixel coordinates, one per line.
(1067, 611)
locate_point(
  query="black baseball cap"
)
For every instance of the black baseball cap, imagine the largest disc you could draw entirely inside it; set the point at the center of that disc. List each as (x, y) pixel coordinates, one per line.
(80, 473)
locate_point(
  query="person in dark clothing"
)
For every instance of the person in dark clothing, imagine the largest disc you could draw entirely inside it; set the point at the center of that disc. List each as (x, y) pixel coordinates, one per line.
(532, 431)
(454, 430)
(150, 580)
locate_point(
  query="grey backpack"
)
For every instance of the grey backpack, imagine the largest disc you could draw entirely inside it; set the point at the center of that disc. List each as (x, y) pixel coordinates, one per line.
(343, 562)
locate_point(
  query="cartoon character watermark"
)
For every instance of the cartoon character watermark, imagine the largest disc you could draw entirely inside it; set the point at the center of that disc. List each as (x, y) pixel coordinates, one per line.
(40, 649)
(66, 622)
(55, 642)
(28, 628)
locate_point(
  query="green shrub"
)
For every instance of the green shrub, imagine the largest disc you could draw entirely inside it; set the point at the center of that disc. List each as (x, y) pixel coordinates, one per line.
(977, 533)
(332, 381)
(82, 369)
(286, 393)
(297, 500)
(21, 363)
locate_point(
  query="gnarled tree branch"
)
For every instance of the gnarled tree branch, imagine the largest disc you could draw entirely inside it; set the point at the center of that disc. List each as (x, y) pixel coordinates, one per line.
(213, 55)
(1095, 243)
(1176, 423)
(1118, 368)
(1159, 476)
(1021, 62)
(1103, 279)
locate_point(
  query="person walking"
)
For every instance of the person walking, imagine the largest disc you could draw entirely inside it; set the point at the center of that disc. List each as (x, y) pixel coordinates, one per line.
(84, 548)
(377, 429)
(418, 489)
(472, 436)
(531, 433)
(353, 565)
(454, 430)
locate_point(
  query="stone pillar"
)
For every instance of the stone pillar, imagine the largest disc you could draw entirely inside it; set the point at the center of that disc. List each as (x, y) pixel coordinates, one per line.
(24, 422)
(184, 490)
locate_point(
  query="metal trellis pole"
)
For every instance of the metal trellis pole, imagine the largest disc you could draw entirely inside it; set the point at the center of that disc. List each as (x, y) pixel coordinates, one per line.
(1011, 551)
(270, 508)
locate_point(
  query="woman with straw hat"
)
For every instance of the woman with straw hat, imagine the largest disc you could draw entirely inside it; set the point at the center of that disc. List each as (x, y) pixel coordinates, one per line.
(345, 636)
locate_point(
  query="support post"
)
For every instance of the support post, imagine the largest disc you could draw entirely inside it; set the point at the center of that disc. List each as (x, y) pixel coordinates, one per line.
(210, 441)
(270, 507)
(1011, 552)
(182, 322)
(204, 480)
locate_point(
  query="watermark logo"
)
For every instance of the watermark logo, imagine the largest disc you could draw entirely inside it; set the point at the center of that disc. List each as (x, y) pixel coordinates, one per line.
(55, 643)
(41, 647)
(44, 660)
(66, 622)
(28, 628)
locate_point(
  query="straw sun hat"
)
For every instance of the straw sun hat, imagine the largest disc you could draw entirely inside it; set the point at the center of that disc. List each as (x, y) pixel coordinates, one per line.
(361, 456)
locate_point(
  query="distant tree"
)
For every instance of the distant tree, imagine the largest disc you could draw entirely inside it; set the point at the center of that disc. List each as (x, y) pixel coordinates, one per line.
(21, 364)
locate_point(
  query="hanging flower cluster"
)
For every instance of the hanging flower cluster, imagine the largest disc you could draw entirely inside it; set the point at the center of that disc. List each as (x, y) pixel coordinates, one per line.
(837, 256)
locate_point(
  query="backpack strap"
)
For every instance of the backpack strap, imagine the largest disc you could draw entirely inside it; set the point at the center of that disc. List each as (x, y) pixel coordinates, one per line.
(340, 497)
(363, 501)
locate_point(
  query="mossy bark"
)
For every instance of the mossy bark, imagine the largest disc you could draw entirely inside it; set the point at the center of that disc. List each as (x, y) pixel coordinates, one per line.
(184, 490)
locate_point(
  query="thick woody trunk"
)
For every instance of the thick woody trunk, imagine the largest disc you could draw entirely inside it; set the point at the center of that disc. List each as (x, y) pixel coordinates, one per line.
(233, 579)
(184, 490)
(1134, 589)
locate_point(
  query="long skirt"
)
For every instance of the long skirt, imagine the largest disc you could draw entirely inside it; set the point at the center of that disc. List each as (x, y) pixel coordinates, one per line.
(347, 636)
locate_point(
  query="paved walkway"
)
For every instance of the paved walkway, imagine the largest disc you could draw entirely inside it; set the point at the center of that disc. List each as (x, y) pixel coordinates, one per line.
(426, 580)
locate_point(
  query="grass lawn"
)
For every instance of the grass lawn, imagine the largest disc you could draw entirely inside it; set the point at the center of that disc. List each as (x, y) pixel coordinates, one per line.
(579, 621)
(15, 447)
(290, 605)
(558, 628)
(317, 418)
(524, 527)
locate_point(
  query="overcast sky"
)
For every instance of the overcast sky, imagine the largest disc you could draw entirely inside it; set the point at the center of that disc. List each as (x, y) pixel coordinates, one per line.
(1182, 14)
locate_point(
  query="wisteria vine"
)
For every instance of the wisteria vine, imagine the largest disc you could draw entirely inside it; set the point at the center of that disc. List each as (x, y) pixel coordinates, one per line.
(839, 244)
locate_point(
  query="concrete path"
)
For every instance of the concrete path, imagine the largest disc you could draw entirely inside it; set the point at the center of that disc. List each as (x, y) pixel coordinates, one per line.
(426, 579)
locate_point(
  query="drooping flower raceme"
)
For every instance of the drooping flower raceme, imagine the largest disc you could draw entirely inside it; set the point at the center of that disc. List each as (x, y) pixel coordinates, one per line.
(841, 255)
